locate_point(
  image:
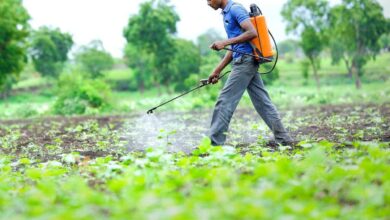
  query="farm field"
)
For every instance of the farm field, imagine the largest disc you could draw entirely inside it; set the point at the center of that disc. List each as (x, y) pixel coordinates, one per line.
(107, 114)
(79, 167)
(122, 163)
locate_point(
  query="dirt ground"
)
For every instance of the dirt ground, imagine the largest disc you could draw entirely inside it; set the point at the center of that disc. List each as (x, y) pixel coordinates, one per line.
(93, 136)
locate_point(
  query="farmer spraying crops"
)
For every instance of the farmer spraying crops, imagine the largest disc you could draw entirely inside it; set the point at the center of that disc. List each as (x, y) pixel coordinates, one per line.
(244, 75)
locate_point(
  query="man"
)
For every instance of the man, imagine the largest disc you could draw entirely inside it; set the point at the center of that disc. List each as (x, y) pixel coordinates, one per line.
(243, 77)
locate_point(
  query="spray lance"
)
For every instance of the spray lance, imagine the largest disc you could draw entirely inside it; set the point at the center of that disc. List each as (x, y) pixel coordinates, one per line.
(262, 50)
(203, 82)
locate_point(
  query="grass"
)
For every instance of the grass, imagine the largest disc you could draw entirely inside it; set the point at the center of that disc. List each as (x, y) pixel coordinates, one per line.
(119, 74)
(284, 96)
(291, 72)
(26, 105)
(31, 82)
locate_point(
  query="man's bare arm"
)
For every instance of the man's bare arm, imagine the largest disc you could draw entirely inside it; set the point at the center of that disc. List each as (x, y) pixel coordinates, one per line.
(248, 34)
(213, 78)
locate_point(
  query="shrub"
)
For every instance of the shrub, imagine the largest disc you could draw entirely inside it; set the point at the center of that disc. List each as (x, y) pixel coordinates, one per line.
(77, 95)
(192, 81)
(94, 59)
(271, 77)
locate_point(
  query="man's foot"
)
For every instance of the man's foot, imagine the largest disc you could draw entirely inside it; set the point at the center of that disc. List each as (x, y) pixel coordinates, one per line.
(291, 143)
(273, 143)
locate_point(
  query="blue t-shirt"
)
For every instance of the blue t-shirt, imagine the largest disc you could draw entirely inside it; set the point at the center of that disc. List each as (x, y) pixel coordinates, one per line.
(233, 15)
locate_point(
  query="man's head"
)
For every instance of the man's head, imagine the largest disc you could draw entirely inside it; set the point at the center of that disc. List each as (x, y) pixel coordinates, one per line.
(217, 4)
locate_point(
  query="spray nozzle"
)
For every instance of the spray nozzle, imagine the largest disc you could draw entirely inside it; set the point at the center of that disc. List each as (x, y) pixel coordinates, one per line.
(150, 111)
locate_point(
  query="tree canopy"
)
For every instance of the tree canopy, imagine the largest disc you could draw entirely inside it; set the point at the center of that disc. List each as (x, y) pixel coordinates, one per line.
(288, 46)
(94, 58)
(49, 50)
(14, 30)
(151, 33)
(185, 62)
(206, 39)
(356, 28)
(309, 19)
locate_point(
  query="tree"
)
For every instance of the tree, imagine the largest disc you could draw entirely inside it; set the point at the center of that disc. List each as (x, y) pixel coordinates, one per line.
(312, 45)
(151, 32)
(308, 18)
(185, 62)
(357, 26)
(338, 51)
(14, 30)
(288, 46)
(385, 41)
(290, 50)
(94, 59)
(206, 39)
(49, 50)
(143, 65)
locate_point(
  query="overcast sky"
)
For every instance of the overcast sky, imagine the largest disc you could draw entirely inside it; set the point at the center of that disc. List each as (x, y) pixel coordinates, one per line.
(105, 20)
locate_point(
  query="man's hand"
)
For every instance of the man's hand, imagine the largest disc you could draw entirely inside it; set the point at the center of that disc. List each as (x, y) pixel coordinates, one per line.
(213, 78)
(218, 45)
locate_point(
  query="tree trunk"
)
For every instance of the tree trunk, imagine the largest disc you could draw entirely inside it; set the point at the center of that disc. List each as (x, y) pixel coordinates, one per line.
(355, 65)
(358, 83)
(349, 67)
(315, 73)
(141, 87)
(167, 85)
(355, 72)
(157, 85)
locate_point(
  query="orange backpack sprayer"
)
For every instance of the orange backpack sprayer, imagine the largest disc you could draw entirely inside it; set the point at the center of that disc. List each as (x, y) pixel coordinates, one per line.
(262, 49)
(261, 44)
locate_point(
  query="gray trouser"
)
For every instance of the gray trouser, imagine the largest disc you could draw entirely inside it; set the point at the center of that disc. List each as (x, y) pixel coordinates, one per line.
(244, 76)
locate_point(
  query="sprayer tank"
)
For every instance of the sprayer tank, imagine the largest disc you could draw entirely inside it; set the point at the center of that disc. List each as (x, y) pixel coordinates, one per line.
(262, 42)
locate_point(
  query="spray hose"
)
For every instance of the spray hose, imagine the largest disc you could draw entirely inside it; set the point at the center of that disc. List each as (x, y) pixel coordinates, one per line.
(204, 82)
(277, 53)
(263, 59)
(258, 52)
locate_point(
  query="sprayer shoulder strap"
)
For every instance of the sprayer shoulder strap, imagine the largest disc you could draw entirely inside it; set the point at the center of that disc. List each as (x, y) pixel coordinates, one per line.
(252, 45)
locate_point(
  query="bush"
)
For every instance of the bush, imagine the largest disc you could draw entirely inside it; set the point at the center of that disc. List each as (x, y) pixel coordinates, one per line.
(94, 59)
(77, 95)
(271, 77)
(191, 81)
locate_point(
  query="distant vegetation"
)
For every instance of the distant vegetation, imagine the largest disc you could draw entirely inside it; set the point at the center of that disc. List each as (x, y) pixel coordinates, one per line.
(13, 43)
(156, 61)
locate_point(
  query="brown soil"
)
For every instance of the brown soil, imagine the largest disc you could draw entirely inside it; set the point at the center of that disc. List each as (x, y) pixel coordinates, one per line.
(336, 123)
